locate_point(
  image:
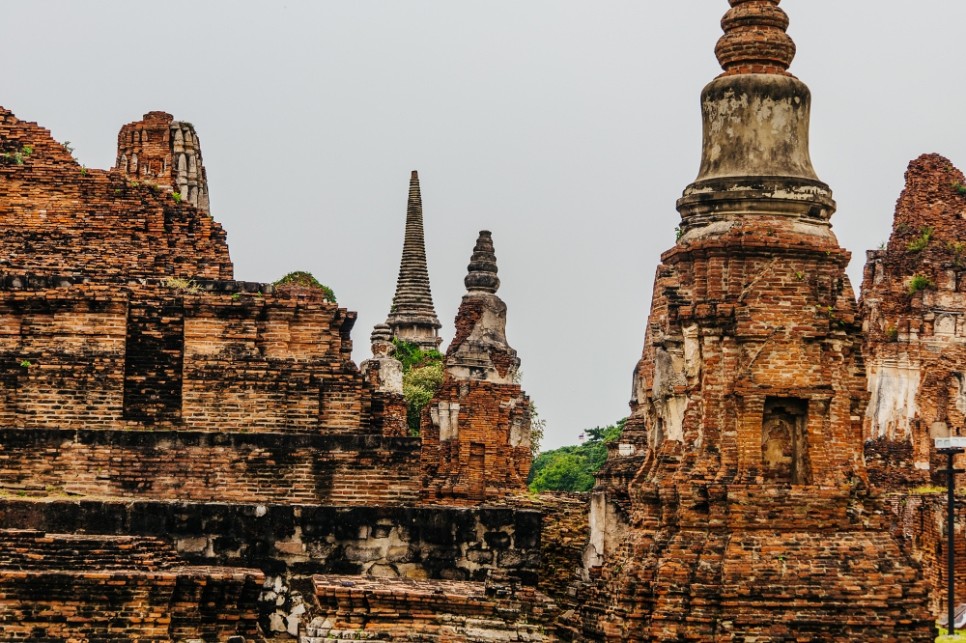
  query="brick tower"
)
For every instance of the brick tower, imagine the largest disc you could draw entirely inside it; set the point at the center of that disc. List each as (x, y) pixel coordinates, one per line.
(476, 431)
(166, 152)
(413, 316)
(749, 516)
(914, 311)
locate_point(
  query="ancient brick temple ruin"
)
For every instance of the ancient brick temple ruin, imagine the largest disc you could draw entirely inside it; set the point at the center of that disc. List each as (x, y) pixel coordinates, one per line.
(189, 457)
(913, 309)
(747, 513)
(167, 152)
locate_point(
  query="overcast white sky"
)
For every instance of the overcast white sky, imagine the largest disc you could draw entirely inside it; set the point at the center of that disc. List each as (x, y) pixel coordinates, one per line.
(568, 128)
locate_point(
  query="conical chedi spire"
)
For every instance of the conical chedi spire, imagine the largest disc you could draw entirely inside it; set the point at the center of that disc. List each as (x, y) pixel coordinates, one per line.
(413, 316)
(480, 349)
(481, 275)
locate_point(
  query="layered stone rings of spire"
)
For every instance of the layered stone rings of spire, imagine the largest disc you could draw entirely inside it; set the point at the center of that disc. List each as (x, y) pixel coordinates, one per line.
(482, 268)
(755, 41)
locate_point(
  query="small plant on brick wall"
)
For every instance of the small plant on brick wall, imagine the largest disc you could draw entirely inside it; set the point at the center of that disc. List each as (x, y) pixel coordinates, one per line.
(16, 157)
(303, 279)
(920, 242)
(892, 334)
(920, 282)
(176, 196)
(25, 363)
(181, 284)
(959, 187)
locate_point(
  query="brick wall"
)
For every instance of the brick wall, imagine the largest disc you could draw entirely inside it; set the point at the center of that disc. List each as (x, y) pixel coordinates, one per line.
(420, 610)
(195, 465)
(69, 587)
(468, 455)
(213, 355)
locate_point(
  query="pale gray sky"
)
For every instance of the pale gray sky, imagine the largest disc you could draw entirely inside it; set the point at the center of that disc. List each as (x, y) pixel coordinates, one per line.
(568, 128)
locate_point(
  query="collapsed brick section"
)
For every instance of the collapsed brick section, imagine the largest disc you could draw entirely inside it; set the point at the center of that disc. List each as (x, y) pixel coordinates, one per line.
(563, 541)
(750, 516)
(476, 430)
(919, 523)
(59, 218)
(914, 314)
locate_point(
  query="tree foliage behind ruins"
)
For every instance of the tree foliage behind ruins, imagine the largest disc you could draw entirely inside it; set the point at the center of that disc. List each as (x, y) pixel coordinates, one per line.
(572, 468)
(422, 376)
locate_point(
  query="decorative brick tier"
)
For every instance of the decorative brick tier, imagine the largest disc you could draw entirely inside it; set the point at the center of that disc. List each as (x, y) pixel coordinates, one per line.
(415, 542)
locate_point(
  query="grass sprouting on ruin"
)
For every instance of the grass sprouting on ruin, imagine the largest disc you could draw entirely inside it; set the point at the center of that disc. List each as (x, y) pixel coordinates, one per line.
(919, 243)
(422, 376)
(181, 284)
(919, 282)
(304, 279)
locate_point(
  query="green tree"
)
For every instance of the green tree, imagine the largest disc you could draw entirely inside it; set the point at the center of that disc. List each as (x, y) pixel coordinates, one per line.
(572, 468)
(422, 376)
(564, 472)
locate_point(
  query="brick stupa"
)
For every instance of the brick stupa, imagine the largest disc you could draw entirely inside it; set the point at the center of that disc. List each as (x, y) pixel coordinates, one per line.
(413, 317)
(476, 430)
(748, 515)
(166, 152)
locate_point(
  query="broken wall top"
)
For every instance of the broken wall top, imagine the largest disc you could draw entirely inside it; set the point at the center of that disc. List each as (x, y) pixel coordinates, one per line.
(60, 218)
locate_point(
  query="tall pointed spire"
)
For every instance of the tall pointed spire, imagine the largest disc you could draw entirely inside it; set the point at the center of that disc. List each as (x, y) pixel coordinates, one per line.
(413, 316)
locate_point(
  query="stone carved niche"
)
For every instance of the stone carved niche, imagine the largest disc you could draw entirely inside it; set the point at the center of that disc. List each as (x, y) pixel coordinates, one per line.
(945, 326)
(784, 447)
